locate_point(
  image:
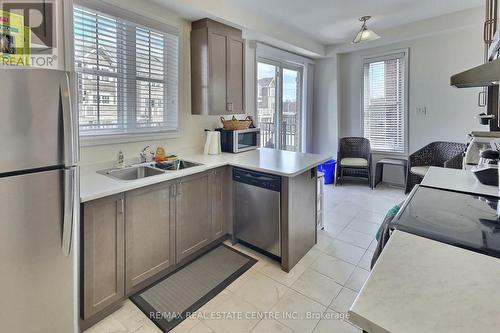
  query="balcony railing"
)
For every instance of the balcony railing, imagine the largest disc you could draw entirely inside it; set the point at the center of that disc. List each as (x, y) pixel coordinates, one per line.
(289, 135)
(267, 135)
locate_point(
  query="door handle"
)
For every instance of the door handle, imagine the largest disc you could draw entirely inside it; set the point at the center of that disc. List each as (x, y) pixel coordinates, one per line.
(69, 203)
(69, 133)
(481, 99)
(121, 206)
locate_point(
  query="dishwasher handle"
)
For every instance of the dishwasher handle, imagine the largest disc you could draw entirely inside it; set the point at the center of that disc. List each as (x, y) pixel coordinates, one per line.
(258, 179)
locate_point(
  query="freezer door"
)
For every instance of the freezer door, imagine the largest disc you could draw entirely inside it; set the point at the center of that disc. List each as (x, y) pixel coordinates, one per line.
(37, 278)
(37, 126)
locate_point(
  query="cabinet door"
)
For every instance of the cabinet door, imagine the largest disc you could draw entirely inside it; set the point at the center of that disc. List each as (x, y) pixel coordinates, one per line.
(103, 254)
(148, 233)
(199, 71)
(193, 225)
(219, 203)
(217, 45)
(236, 75)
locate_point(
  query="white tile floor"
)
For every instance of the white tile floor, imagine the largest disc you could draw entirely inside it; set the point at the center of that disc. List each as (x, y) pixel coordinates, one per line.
(325, 282)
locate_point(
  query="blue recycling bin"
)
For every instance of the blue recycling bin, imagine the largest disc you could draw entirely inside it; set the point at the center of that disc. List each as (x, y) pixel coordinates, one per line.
(328, 168)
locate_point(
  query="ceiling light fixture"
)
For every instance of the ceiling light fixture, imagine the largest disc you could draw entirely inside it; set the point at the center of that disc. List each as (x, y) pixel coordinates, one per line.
(365, 34)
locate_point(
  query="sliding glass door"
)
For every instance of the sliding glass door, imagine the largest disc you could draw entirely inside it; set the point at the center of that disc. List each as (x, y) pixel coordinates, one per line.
(279, 105)
(290, 108)
(267, 100)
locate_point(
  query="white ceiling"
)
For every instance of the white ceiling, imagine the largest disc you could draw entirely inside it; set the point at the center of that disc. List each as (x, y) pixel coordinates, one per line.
(314, 25)
(336, 21)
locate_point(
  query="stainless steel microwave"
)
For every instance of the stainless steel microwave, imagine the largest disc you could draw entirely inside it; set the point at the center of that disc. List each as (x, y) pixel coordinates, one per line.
(237, 141)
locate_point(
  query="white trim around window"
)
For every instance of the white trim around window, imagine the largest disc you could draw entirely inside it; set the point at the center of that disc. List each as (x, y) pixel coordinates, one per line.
(377, 146)
(283, 59)
(138, 117)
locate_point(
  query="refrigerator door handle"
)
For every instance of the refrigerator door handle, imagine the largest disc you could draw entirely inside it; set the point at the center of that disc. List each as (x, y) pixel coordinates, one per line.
(69, 131)
(69, 204)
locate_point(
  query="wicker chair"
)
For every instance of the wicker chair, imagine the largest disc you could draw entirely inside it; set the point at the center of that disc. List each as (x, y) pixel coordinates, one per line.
(439, 154)
(354, 158)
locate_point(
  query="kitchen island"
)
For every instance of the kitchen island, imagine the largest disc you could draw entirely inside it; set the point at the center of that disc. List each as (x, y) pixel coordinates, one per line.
(298, 194)
(134, 232)
(420, 285)
(457, 180)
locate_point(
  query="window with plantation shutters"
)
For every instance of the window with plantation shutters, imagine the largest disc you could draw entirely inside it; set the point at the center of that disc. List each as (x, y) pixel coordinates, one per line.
(385, 102)
(127, 75)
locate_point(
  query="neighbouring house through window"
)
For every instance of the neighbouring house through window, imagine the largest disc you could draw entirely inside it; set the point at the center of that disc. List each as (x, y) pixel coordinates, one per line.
(284, 93)
(127, 75)
(279, 104)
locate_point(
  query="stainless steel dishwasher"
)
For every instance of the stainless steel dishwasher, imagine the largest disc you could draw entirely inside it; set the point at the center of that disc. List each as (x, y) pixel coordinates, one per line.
(257, 219)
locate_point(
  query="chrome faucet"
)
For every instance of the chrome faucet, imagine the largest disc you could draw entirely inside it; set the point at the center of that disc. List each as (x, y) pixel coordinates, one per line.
(143, 154)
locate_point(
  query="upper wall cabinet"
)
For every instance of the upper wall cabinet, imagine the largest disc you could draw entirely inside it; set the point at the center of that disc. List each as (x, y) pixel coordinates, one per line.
(217, 69)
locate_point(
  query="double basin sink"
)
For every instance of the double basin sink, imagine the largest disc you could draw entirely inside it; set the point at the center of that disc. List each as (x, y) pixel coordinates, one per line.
(147, 170)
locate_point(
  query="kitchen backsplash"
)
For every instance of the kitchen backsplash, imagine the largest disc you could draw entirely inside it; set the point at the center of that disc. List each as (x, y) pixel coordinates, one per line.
(192, 139)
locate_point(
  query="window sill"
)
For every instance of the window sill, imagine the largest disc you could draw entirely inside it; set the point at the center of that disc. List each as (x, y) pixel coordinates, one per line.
(389, 154)
(101, 140)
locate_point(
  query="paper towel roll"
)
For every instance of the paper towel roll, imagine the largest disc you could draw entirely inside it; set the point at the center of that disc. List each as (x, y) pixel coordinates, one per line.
(212, 144)
(215, 148)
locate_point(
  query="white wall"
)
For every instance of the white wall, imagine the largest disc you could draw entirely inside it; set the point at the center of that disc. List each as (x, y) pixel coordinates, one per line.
(415, 30)
(433, 59)
(250, 77)
(325, 114)
(249, 18)
(192, 126)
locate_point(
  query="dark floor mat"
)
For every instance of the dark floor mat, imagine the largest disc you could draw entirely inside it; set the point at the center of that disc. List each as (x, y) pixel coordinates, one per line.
(188, 288)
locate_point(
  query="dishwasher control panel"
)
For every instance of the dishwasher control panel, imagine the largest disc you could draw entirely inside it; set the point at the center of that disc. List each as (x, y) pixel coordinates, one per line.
(263, 180)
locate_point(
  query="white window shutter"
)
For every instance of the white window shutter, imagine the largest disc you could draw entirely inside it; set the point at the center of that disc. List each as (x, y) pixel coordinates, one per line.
(384, 103)
(127, 75)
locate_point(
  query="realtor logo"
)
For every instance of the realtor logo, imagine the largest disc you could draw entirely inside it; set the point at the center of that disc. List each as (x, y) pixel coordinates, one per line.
(39, 18)
(27, 33)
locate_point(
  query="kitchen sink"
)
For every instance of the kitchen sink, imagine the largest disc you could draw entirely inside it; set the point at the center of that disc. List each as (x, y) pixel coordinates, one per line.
(147, 170)
(132, 173)
(176, 165)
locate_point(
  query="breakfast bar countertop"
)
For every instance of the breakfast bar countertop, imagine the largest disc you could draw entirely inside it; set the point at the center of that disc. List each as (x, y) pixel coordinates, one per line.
(420, 285)
(278, 162)
(457, 180)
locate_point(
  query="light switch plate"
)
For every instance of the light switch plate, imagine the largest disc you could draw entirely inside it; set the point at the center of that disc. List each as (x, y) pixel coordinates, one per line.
(422, 110)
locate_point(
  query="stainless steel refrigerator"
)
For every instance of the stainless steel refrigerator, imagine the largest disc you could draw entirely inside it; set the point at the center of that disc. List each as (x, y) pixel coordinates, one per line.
(38, 202)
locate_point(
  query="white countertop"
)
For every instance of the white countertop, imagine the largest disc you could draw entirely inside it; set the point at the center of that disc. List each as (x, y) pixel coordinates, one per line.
(457, 180)
(278, 162)
(420, 285)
